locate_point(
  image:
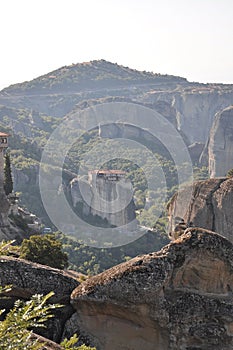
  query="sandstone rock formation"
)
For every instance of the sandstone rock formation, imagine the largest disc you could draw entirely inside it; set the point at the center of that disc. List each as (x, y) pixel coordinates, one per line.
(220, 148)
(195, 151)
(103, 197)
(47, 344)
(210, 206)
(178, 298)
(29, 278)
(195, 107)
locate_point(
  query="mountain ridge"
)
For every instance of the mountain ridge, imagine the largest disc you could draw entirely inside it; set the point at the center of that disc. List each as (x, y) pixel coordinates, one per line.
(80, 75)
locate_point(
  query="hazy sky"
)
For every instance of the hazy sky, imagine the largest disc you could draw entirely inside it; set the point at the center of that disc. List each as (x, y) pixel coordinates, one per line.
(190, 38)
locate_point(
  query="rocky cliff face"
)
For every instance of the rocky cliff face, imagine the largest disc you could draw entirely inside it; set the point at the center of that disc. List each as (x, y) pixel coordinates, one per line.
(220, 147)
(195, 107)
(29, 278)
(191, 109)
(196, 110)
(12, 232)
(210, 206)
(103, 199)
(178, 298)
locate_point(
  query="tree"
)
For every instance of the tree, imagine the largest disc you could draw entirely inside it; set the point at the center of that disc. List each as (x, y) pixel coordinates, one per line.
(230, 173)
(16, 328)
(45, 250)
(8, 182)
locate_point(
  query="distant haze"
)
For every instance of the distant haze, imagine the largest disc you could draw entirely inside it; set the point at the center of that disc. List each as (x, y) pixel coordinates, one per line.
(189, 38)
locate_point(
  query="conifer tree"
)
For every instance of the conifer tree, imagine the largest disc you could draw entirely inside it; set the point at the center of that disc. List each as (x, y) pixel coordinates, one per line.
(8, 182)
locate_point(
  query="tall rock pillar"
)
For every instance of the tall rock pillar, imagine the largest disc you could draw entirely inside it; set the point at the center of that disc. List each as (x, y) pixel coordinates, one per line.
(221, 144)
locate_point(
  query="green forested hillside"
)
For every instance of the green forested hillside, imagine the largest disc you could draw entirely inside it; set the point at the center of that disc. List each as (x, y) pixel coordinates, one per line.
(31, 111)
(91, 261)
(30, 132)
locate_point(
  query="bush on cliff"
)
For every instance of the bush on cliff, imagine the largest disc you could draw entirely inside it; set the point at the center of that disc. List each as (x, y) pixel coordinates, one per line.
(16, 329)
(16, 325)
(45, 250)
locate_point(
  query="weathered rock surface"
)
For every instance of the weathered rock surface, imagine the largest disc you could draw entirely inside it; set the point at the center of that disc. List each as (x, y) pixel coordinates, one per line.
(210, 206)
(12, 232)
(196, 109)
(8, 229)
(177, 298)
(28, 278)
(220, 148)
(107, 199)
(195, 151)
(46, 343)
(26, 178)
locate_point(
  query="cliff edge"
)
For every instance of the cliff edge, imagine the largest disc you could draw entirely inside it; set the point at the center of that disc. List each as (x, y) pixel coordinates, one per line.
(210, 207)
(220, 147)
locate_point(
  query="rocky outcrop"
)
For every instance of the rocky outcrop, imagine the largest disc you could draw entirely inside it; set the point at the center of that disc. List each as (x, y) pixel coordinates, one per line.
(8, 230)
(177, 298)
(26, 177)
(210, 206)
(195, 151)
(103, 198)
(220, 148)
(13, 232)
(46, 343)
(29, 278)
(195, 107)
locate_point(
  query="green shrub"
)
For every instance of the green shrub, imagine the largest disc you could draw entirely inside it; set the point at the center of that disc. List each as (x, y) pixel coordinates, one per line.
(16, 329)
(44, 249)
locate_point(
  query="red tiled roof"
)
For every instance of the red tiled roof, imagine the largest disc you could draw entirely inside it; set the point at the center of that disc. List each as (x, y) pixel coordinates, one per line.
(107, 172)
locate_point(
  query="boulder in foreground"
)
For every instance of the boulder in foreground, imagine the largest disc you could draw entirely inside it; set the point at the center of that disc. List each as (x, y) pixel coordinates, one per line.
(177, 298)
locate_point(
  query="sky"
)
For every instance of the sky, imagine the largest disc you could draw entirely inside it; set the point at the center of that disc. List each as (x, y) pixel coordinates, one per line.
(189, 38)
